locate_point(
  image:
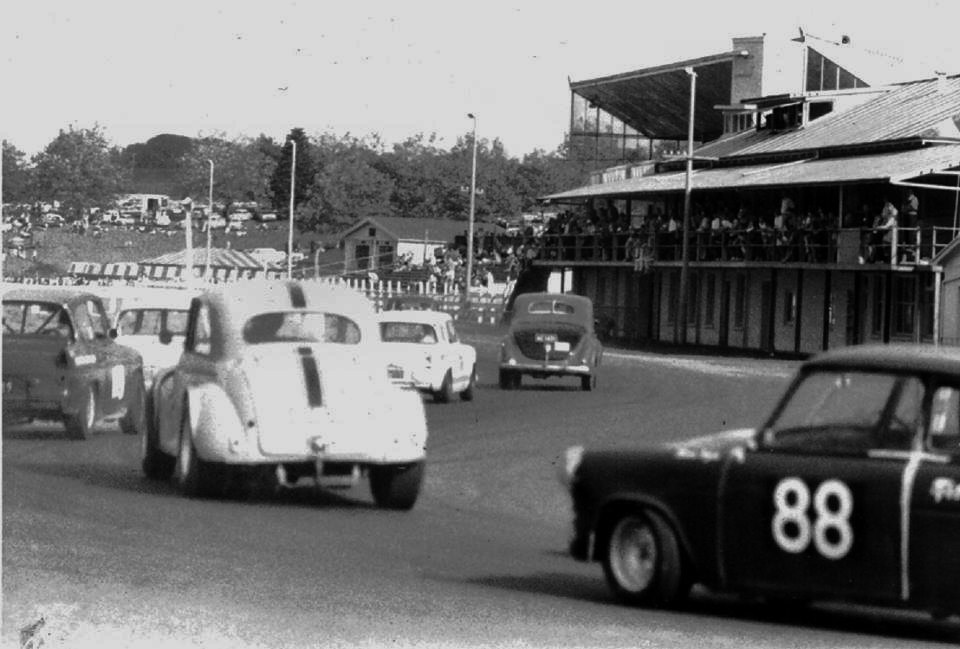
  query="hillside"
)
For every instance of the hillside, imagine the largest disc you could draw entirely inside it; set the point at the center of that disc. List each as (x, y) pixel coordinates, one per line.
(58, 247)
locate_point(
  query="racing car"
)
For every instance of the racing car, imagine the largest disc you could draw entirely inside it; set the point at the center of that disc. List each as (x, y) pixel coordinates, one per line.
(849, 490)
(284, 381)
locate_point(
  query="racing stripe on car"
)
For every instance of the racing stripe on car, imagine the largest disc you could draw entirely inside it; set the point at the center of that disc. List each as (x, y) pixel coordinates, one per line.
(297, 298)
(311, 377)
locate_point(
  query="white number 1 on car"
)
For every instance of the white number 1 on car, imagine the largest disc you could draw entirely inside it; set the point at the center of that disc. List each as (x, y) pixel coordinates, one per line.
(832, 505)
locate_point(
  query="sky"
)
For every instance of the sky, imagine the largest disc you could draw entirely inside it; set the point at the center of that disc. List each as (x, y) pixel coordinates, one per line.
(396, 68)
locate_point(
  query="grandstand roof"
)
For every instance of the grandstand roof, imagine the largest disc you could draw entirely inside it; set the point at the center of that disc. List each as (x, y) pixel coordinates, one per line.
(219, 258)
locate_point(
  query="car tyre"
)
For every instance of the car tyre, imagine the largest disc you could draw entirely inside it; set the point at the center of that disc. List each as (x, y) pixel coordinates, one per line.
(156, 464)
(588, 383)
(643, 562)
(191, 474)
(133, 422)
(80, 425)
(396, 486)
(445, 393)
(467, 394)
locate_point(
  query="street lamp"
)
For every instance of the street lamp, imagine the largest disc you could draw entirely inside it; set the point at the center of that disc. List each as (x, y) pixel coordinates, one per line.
(206, 270)
(473, 205)
(293, 175)
(685, 254)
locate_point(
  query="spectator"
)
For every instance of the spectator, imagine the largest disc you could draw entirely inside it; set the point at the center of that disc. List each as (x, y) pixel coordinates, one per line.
(910, 219)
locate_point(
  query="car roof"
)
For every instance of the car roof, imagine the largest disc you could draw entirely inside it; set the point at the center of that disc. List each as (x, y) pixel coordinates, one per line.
(577, 301)
(583, 309)
(919, 359)
(56, 294)
(173, 298)
(244, 299)
(423, 317)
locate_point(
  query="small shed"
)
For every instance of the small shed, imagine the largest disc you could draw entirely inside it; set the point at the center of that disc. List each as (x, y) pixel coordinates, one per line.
(378, 243)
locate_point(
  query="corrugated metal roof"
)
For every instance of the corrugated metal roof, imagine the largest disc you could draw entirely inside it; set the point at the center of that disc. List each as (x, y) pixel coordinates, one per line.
(219, 257)
(414, 229)
(920, 109)
(879, 167)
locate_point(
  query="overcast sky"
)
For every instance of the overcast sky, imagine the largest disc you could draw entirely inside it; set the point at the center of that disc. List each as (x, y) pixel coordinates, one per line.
(395, 68)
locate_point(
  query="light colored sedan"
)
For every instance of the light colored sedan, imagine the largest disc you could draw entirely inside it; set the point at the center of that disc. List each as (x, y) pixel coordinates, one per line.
(423, 350)
(284, 381)
(154, 325)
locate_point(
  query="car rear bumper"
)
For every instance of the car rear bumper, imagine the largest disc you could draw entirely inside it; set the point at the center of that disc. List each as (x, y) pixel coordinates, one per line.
(550, 368)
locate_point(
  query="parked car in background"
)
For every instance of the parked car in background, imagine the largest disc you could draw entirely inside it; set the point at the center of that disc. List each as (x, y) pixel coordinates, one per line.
(267, 255)
(423, 351)
(551, 334)
(215, 222)
(52, 220)
(154, 324)
(61, 362)
(284, 381)
(849, 490)
(267, 216)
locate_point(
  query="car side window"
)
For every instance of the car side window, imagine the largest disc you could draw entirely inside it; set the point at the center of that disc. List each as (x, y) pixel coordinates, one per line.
(200, 337)
(85, 330)
(945, 420)
(902, 430)
(98, 319)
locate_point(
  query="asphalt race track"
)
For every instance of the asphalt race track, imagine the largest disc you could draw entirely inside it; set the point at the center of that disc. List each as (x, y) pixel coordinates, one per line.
(110, 559)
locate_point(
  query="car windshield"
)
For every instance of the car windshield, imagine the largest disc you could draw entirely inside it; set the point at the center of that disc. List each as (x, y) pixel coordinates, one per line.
(849, 411)
(150, 322)
(408, 332)
(301, 326)
(41, 318)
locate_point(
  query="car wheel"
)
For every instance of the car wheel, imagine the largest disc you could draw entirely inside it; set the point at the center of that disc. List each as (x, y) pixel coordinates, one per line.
(80, 425)
(588, 383)
(156, 464)
(467, 394)
(396, 486)
(643, 564)
(133, 422)
(191, 474)
(445, 393)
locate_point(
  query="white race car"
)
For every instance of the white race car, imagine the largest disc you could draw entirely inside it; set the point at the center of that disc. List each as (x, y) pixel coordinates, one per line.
(423, 350)
(154, 324)
(284, 381)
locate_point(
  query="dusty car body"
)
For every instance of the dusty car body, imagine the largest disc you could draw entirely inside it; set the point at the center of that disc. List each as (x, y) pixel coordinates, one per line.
(61, 362)
(424, 351)
(850, 490)
(284, 379)
(551, 334)
(154, 325)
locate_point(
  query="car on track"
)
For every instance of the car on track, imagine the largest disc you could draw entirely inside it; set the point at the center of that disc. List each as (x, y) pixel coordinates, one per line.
(154, 324)
(283, 381)
(61, 362)
(423, 351)
(849, 490)
(551, 334)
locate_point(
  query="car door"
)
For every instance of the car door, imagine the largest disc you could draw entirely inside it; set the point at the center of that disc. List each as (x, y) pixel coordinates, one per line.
(455, 352)
(123, 365)
(817, 510)
(196, 366)
(99, 369)
(934, 517)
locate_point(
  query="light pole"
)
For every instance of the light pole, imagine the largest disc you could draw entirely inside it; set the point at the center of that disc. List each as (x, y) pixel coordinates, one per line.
(293, 175)
(685, 254)
(206, 270)
(473, 205)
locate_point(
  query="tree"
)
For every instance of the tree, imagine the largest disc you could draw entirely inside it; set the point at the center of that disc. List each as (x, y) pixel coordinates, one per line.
(16, 175)
(305, 171)
(79, 169)
(242, 169)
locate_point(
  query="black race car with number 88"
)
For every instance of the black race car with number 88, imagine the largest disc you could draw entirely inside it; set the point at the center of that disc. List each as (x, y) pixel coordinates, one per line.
(849, 491)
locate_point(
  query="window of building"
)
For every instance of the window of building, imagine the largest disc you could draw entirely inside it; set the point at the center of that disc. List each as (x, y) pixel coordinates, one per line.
(673, 298)
(740, 302)
(709, 306)
(361, 256)
(878, 307)
(926, 306)
(384, 255)
(904, 305)
(692, 294)
(789, 307)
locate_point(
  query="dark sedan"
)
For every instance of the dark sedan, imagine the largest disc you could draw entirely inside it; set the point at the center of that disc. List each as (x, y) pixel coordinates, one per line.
(60, 362)
(850, 490)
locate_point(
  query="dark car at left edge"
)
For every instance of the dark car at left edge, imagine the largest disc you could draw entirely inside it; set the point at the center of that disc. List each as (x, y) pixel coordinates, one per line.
(61, 363)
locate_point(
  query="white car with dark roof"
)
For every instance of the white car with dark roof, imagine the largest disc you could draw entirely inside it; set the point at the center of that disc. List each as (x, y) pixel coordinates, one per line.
(284, 381)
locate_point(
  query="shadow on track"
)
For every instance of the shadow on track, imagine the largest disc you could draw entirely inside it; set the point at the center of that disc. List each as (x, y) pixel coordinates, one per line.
(130, 479)
(890, 623)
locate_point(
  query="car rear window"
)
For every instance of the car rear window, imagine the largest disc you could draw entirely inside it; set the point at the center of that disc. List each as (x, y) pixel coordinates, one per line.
(550, 306)
(301, 326)
(41, 318)
(150, 322)
(408, 332)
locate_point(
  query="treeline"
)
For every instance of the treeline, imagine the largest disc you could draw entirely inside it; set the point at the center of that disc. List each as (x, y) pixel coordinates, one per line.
(339, 178)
